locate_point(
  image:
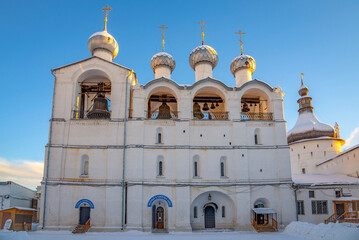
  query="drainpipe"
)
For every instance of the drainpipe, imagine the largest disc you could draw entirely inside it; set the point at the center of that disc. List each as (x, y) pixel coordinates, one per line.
(296, 200)
(130, 74)
(48, 151)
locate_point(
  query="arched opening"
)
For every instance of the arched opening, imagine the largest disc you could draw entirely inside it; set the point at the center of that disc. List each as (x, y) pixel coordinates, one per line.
(84, 215)
(159, 215)
(93, 100)
(223, 166)
(159, 135)
(255, 105)
(208, 211)
(162, 104)
(209, 104)
(209, 217)
(264, 218)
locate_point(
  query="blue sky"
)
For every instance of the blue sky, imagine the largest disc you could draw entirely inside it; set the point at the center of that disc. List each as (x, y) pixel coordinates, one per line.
(318, 38)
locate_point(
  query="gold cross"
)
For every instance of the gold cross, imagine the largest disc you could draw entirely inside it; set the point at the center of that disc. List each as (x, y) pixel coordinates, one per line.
(106, 9)
(163, 36)
(240, 39)
(202, 28)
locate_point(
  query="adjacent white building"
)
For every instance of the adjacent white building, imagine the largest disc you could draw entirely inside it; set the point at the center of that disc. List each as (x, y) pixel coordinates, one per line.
(164, 156)
(16, 195)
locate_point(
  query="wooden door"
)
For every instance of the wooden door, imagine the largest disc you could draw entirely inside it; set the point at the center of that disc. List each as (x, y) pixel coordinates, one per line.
(160, 218)
(209, 217)
(84, 215)
(340, 209)
(5, 216)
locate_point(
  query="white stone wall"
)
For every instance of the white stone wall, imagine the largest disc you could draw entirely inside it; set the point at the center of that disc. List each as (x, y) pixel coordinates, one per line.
(18, 196)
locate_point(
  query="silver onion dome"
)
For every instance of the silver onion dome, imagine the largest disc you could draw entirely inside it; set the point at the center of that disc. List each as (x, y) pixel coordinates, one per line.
(203, 53)
(163, 59)
(241, 62)
(103, 40)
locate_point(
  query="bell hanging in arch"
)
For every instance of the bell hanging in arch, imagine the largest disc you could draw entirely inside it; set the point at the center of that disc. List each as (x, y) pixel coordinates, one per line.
(100, 108)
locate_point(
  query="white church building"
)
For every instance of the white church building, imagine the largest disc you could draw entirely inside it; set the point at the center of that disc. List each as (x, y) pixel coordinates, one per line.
(164, 156)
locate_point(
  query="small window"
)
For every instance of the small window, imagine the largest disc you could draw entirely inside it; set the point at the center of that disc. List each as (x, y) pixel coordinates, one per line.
(319, 207)
(311, 154)
(255, 139)
(325, 153)
(298, 156)
(304, 147)
(84, 165)
(291, 149)
(331, 145)
(223, 211)
(317, 145)
(222, 169)
(195, 168)
(303, 170)
(311, 194)
(338, 194)
(159, 138)
(160, 168)
(300, 207)
(195, 214)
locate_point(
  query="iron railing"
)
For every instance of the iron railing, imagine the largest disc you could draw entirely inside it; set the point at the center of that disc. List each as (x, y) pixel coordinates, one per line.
(210, 115)
(256, 116)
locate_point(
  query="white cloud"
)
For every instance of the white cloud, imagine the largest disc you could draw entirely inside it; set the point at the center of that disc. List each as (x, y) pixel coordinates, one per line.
(353, 139)
(24, 172)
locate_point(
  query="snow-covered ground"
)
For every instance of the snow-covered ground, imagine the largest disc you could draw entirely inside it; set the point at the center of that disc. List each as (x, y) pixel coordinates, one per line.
(294, 231)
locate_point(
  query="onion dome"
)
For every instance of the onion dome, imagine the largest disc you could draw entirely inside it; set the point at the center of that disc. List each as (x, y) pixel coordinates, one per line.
(243, 62)
(163, 59)
(201, 54)
(307, 125)
(103, 40)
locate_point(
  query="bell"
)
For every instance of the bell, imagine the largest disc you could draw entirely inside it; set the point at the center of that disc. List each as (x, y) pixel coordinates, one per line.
(245, 108)
(100, 108)
(212, 106)
(205, 107)
(217, 105)
(164, 111)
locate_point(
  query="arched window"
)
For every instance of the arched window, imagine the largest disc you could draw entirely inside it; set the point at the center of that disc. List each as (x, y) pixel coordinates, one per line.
(84, 165)
(223, 166)
(196, 166)
(257, 136)
(159, 136)
(160, 166)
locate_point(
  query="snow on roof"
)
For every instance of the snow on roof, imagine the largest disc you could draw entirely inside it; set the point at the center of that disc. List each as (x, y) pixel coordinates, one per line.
(346, 199)
(21, 208)
(339, 154)
(323, 179)
(263, 210)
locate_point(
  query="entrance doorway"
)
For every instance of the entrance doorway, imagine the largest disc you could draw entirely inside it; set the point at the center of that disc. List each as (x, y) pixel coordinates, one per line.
(340, 209)
(84, 215)
(160, 218)
(209, 217)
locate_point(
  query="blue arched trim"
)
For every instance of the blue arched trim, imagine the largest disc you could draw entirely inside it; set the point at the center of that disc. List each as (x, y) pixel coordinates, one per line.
(163, 197)
(85, 201)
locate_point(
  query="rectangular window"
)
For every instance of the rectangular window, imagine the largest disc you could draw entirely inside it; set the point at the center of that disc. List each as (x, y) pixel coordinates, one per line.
(319, 207)
(303, 170)
(300, 207)
(159, 138)
(338, 194)
(223, 211)
(311, 194)
(20, 218)
(195, 212)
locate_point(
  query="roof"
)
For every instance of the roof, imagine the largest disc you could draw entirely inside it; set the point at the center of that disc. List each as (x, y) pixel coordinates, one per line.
(21, 208)
(84, 60)
(339, 154)
(346, 199)
(323, 179)
(264, 210)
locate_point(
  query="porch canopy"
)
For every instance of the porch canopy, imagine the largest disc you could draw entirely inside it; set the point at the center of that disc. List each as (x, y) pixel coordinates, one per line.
(264, 210)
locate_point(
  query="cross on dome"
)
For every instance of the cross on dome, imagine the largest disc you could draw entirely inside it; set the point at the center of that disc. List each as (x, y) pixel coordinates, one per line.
(106, 9)
(163, 36)
(240, 39)
(202, 28)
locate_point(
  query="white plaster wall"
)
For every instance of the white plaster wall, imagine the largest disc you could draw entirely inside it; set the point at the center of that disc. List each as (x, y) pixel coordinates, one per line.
(242, 76)
(311, 153)
(203, 70)
(163, 71)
